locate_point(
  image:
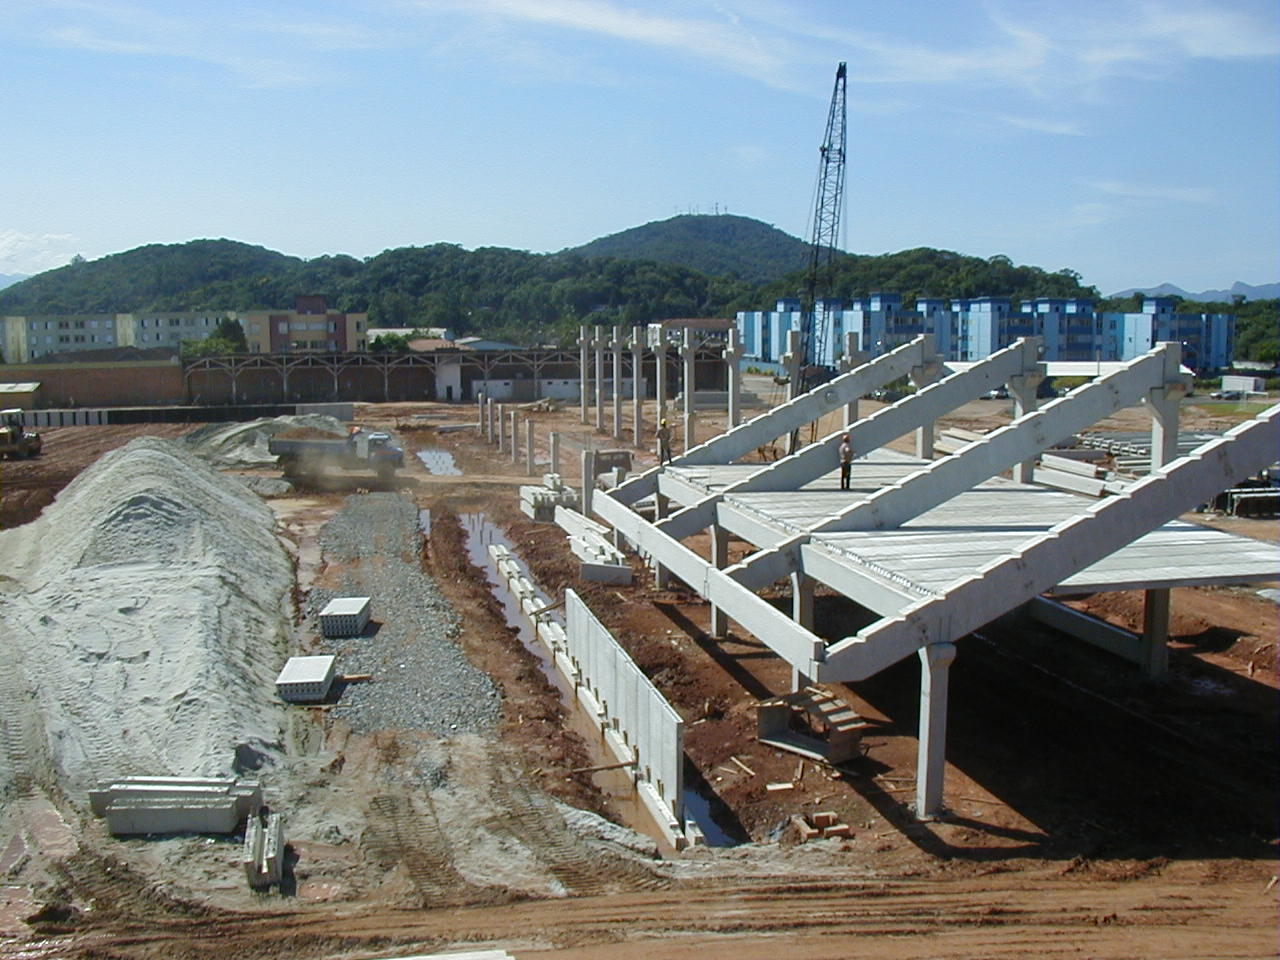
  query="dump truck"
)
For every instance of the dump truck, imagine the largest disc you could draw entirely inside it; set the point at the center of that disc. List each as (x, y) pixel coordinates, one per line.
(16, 441)
(359, 451)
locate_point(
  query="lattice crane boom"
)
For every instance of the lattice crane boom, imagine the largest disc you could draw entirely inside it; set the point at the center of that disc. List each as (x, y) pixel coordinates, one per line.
(823, 250)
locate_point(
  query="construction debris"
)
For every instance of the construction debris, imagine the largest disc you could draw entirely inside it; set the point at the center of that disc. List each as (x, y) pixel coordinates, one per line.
(264, 851)
(813, 723)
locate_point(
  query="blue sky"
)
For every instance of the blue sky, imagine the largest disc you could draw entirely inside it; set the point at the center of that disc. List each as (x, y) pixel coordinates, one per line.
(1133, 140)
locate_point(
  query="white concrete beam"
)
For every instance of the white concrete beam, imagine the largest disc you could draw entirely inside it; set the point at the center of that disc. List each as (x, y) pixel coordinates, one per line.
(1063, 550)
(798, 646)
(783, 419)
(999, 450)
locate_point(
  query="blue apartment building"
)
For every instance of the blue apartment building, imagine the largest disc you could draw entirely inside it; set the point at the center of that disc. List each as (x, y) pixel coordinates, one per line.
(974, 328)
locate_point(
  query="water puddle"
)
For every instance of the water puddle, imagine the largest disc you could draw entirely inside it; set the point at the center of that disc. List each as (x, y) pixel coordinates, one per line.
(480, 534)
(439, 462)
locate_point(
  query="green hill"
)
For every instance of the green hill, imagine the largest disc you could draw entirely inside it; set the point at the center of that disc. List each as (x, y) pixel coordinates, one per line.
(720, 245)
(155, 277)
(539, 298)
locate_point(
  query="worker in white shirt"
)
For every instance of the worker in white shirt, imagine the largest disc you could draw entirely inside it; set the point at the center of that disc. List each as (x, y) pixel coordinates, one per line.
(846, 461)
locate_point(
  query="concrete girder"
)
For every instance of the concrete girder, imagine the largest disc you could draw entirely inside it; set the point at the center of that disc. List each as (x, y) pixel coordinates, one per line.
(899, 419)
(798, 646)
(875, 431)
(790, 416)
(677, 488)
(1058, 553)
(863, 585)
(1001, 449)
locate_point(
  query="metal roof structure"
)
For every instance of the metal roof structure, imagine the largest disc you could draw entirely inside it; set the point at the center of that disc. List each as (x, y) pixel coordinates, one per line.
(938, 547)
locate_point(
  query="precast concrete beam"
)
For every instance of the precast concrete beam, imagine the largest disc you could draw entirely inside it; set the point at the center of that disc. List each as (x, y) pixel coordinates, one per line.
(798, 646)
(999, 450)
(679, 489)
(787, 417)
(1063, 550)
(876, 431)
(891, 422)
(877, 590)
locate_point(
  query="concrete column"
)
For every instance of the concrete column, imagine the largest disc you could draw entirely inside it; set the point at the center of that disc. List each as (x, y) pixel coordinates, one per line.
(1154, 647)
(515, 439)
(588, 480)
(660, 377)
(688, 351)
(598, 343)
(851, 359)
(720, 557)
(488, 412)
(531, 467)
(553, 442)
(793, 362)
(1164, 405)
(802, 599)
(584, 368)
(661, 507)
(637, 386)
(1023, 390)
(480, 411)
(921, 377)
(733, 352)
(502, 427)
(935, 676)
(616, 345)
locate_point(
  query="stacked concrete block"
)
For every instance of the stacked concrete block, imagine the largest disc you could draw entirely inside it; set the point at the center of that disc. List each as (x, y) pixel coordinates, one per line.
(602, 562)
(345, 617)
(539, 502)
(134, 805)
(264, 851)
(306, 679)
(819, 825)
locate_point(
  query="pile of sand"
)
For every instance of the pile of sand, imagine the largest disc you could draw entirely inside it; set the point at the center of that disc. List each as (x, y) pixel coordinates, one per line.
(144, 618)
(245, 444)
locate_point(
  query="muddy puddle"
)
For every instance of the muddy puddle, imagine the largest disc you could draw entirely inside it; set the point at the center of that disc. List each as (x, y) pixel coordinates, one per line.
(617, 784)
(439, 462)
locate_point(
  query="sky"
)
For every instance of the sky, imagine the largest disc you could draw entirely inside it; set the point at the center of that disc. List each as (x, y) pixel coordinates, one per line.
(1135, 141)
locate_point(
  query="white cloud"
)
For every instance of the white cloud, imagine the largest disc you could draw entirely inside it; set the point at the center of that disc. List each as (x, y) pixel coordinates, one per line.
(1062, 128)
(35, 253)
(1150, 191)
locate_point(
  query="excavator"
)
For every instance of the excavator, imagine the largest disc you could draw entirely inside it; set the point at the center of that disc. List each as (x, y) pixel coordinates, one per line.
(16, 441)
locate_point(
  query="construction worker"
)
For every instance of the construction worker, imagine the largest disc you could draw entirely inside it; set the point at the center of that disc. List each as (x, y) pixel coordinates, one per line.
(664, 442)
(846, 461)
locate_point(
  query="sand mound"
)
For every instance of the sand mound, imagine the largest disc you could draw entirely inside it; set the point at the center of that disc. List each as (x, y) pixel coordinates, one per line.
(143, 620)
(245, 444)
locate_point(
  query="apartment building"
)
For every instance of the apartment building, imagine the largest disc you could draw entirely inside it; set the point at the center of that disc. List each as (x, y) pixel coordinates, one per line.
(310, 326)
(974, 328)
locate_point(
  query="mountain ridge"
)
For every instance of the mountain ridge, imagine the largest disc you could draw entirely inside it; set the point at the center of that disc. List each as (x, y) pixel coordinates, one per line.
(1262, 291)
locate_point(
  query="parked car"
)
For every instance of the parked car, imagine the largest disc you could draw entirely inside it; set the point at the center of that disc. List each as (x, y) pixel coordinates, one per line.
(1227, 395)
(999, 393)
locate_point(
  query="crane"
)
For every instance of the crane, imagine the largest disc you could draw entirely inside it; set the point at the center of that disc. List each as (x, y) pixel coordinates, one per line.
(826, 232)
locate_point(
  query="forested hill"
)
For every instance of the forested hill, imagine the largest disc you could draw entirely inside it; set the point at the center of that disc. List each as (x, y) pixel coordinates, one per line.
(715, 245)
(153, 276)
(513, 294)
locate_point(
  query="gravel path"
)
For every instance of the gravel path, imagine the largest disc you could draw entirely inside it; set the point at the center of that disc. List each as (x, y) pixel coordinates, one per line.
(421, 680)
